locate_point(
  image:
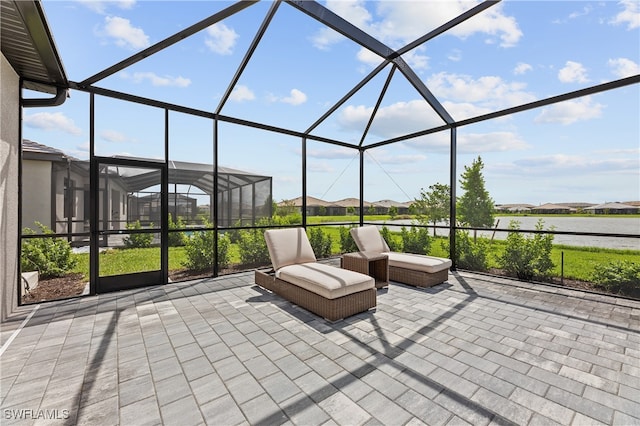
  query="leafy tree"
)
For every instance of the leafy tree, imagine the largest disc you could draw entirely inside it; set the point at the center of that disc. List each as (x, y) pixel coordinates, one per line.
(351, 211)
(393, 212)
(434, 204)
(475, 207)
(371, 210)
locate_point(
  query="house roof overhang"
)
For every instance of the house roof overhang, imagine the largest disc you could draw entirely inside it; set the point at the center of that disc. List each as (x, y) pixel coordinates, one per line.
(28, 45)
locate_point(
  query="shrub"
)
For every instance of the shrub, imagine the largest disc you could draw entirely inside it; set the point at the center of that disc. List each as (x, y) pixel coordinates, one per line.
(347, 245)
(224, 256)
(392, 242)
(253, 247)
(527, 257)
(50, 256)
(415, 240)
(138, 240)
(199, 250)
(621, 277)
(471, 253)
(320, 242)
(176, 239)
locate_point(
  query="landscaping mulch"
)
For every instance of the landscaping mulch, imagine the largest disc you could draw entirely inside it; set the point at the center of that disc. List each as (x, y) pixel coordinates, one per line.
(73, 285)
(56, 288)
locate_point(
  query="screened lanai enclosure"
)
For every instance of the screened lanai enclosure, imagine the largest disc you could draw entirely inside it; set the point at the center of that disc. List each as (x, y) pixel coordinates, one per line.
(182, 127)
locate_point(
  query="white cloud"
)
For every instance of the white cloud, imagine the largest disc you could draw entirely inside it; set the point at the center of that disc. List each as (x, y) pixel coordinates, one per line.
(630, 15)
(573, 164)
(325, 37)
(320, 167)
(296, 97)
(455, 55)
(125, 34)
(471, 142)
(487, 92)
(157, 80)
(490, 142)
(51, 121)
(522, 68)
(573, 72)
(390, 121)
(623, 67)
(569, 112)
(386, 157)
(221, 39)
(242, 93)
(101, 6)
(396, 25)
(332, 153)
(113, 136)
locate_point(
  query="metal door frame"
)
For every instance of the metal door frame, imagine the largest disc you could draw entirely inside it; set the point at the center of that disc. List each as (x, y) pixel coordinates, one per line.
(137, 279)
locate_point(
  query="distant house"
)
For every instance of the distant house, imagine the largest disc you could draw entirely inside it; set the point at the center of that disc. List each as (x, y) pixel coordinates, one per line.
(318, 207)
(383, 206)
(514, 208)
(550, 208)
(613, 208)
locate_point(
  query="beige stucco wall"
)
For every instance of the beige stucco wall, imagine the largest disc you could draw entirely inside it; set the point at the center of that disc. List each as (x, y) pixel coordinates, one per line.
(9, 143)
(36, 193)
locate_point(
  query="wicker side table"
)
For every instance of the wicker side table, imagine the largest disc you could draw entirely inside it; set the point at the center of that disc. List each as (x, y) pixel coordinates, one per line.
(375, 265)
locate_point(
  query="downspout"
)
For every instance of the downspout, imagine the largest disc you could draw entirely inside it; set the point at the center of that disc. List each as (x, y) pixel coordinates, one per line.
(61, 95)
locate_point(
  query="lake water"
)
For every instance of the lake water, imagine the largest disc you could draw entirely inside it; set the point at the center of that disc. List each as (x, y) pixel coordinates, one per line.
(607, 225)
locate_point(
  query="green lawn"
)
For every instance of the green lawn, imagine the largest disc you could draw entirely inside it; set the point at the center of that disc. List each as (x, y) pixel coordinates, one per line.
(579, 262)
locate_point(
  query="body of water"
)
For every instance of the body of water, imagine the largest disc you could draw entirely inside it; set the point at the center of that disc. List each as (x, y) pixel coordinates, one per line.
(608, 225)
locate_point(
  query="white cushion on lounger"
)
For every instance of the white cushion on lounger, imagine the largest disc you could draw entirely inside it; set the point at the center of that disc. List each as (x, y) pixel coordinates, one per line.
(418, 262)
(288, 247)
(368, 238)
(326, 280)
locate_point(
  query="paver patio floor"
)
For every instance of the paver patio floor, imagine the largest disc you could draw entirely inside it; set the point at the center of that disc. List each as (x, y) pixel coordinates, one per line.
(476, 350)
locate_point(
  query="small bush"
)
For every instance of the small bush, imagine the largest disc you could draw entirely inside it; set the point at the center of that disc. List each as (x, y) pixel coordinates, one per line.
(224, 256)
(200, 253)
(471, 253)
(527, 258)
(320, 242)
(176, 239)
(347, 245)
(415, 240)
(392, 242)
(50, 256)
(253, 247)
(138, 240)
(621, 277)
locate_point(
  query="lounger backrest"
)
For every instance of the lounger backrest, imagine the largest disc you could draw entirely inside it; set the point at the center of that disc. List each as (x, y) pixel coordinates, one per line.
(368, 238)
(288, 247)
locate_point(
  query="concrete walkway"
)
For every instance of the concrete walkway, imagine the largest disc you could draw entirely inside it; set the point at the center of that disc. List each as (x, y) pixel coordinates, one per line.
(476, 350)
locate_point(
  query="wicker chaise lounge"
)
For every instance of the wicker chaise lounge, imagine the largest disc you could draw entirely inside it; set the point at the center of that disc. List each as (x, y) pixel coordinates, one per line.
(413, 269)
(328, 291)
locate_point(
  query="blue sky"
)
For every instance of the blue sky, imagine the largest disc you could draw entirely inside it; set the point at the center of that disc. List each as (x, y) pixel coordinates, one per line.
(584, 150)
